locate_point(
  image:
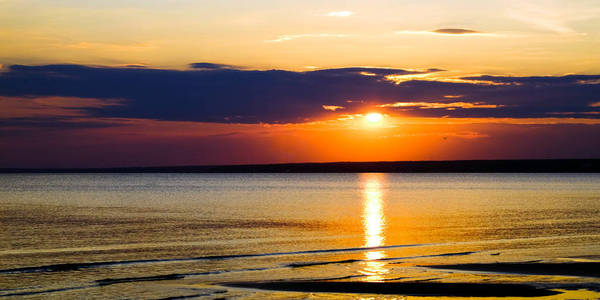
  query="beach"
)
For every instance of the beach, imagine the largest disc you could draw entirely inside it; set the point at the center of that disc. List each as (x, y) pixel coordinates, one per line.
(322, 236)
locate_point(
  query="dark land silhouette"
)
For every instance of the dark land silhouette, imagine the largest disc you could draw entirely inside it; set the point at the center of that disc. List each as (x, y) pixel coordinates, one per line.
(458, 166)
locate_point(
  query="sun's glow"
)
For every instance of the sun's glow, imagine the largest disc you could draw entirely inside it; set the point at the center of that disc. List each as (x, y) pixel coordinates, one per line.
(374, 117)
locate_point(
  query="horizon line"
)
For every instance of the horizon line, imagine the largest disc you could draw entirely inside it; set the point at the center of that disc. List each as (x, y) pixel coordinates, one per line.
(541, 165)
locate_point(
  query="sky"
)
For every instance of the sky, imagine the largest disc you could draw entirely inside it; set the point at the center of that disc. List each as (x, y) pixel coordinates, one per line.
(180, 82)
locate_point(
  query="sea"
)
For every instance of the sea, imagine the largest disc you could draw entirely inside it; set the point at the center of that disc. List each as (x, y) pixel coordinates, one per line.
(180, 236)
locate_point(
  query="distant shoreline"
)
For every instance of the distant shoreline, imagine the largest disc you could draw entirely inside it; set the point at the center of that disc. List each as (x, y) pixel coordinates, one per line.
(457, 166)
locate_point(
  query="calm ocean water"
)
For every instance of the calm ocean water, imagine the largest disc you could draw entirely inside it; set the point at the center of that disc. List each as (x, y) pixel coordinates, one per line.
(152, 236)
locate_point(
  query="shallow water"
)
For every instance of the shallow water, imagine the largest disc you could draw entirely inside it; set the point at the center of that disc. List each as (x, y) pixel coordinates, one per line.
(172, 235)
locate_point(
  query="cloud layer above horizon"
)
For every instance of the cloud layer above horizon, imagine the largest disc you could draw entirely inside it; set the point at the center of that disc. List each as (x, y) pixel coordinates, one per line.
(220, 93)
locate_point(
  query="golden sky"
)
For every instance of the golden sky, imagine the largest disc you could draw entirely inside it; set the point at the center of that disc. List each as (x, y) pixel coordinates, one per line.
(545, 37)
(179, 82)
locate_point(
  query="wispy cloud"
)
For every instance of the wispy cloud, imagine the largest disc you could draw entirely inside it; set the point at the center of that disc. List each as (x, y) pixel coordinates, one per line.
(343, 13)
(447, 32)
(332, 107)
(32, 107)
(289, 37)
(455, 31)
(400, 78)
(589, 81)
(445, 135)
(547, 16)
(447, 106)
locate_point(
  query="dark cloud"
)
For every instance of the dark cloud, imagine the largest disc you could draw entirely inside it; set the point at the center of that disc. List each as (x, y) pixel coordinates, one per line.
(369, 72)
(211, 66)
(210, 93)
(136, 66)
(455, 31)
(18, 124)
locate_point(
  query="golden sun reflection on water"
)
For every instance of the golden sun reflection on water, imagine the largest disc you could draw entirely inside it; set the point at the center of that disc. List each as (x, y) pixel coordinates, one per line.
(373, 221)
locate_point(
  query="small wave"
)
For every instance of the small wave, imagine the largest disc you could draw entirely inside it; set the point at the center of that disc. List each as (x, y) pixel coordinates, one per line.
(174, 276)
(19, 288)
(340, 278)
(31, 293)
(111, 281)
(393, 279)
(346, 261)
(320, 263)
(78, 266)
(194, 296)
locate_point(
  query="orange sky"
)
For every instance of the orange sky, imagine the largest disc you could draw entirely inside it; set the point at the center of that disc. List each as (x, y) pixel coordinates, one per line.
(144, 142)
(137, 83)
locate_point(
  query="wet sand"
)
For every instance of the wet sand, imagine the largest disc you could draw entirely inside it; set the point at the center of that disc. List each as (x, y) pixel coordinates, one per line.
(402, 288)
(584, 269)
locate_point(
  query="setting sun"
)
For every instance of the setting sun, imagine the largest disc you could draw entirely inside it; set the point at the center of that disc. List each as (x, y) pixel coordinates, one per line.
(374, 117)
